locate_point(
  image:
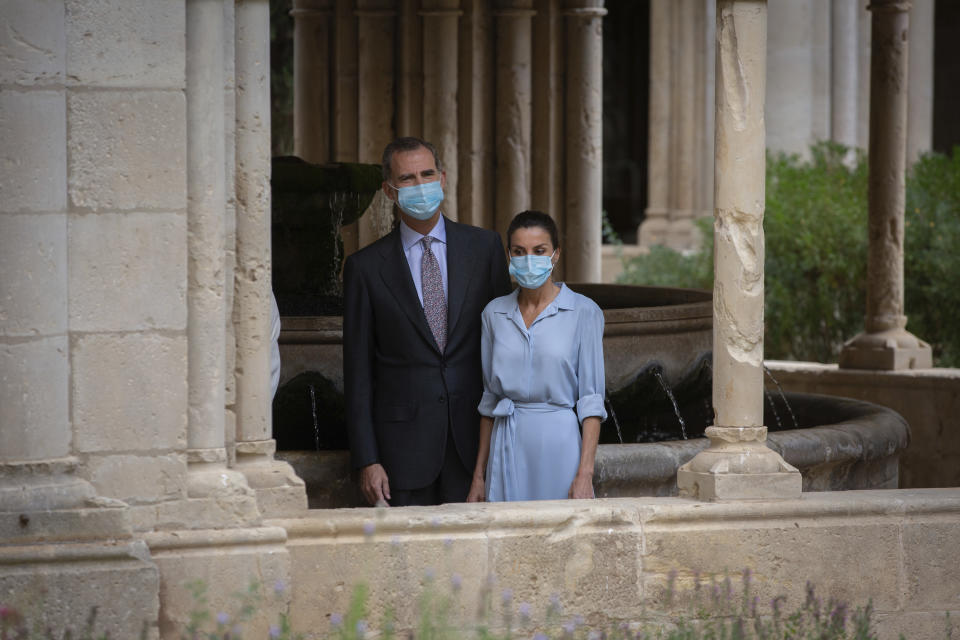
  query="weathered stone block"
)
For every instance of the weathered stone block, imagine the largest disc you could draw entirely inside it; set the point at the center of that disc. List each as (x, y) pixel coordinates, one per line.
(33, 302)
(32, 41)
(33, 133)
(829, 554)
(128, 272)
(931, 564)
(138, 479)
(55, 586)
(142, 135)
(126, 43)
(129, 392)
(34, 393)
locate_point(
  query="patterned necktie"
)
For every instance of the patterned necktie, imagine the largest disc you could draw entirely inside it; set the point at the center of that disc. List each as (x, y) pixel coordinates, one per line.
(434, 302)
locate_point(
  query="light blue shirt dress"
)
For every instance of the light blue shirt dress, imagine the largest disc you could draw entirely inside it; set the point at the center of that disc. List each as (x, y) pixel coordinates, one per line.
(537, 382)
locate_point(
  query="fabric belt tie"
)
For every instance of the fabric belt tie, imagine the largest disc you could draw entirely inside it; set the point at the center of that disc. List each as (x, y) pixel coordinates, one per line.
(503, 450)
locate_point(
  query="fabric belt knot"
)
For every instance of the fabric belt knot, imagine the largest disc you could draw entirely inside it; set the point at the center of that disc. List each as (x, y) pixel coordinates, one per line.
(434, 302)
(503, 447)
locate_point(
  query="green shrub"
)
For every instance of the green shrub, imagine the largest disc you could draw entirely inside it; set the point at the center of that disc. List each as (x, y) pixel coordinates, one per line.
(816, 254)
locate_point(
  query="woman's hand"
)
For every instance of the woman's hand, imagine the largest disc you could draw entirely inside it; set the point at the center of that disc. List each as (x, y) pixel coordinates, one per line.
(582, 486)
(477, 490)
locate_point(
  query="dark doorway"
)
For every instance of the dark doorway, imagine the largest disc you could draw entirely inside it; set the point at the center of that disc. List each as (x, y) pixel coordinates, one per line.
(946, 75)
(626, 87)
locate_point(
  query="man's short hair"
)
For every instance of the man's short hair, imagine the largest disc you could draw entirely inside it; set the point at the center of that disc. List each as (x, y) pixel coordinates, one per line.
(407, 143)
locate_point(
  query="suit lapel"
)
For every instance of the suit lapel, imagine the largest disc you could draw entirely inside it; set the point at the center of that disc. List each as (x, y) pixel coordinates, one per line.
(460, 258)
(395, 273)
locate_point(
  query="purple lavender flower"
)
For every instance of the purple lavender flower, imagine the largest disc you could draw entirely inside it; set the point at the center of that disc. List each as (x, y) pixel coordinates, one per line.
(524, 610)
(361, 628)
(456, 581)
(336, 620)
(279, 587)
(568, 629)
(540, 636)
(222, 618)
(274, 632)
(506, 596)
(448, 542)
(369, 528)
(429, 573)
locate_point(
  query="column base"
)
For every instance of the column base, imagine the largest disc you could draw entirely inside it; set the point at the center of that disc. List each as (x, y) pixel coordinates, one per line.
(738, 466)
(890, 350)
(217, 497)
(653, 229)
(278, 489)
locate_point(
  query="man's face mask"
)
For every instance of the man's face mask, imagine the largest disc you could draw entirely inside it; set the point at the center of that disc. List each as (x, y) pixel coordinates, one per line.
(420, 201)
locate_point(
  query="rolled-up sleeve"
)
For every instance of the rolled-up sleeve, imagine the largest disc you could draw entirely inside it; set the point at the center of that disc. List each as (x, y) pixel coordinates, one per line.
(488, 401)
(590, 376)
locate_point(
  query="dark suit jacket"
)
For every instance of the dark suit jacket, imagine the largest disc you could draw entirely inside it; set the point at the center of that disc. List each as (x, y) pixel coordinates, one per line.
(402, 394)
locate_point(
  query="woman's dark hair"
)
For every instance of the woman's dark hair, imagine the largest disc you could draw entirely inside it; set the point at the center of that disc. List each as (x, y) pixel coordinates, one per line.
(527, 219)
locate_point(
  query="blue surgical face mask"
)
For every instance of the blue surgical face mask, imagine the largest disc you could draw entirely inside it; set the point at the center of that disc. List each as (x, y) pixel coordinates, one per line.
(420, 201)
(531, 271)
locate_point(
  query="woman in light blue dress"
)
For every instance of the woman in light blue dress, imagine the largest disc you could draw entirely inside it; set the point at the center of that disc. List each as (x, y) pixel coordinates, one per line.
(542, 355)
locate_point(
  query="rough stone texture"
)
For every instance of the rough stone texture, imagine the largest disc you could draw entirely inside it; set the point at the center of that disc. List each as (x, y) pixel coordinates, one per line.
(55, 586)
(138, 479)
(125, 43)
(129, 392)
(34, 247)
(33, 129)
(228, 562)
(611, 560)
(143, 134)
(128, 272)
(32, 42)
(928, 399)
(34, 378)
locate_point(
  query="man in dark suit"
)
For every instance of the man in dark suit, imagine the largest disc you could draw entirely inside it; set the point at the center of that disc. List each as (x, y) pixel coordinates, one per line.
(411, 339)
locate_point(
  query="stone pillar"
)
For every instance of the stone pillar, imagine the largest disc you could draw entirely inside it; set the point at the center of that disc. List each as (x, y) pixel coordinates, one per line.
(375, 46)
(584, 140)
(843, 72)
(440, 127)
(208, 475)
(547, 131)
(476, 101)
(738, 464)
(410, 69)
(312, 36)
(683, 126)
(920, 79)
(514, 105)
(885, 343)
(345, 97)
(278, 490)
(653, 229)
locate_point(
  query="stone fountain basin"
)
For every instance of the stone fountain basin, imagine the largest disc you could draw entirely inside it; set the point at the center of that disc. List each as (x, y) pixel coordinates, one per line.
(856, 445)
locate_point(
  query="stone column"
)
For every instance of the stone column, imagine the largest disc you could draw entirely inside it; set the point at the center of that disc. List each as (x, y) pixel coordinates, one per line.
(410, 69)
(843, 72)
(653, 229)
(476, 107)
(738, 464)
(920, 79)
(345, 97)
(312, 36)
(440, 24)
(683, 126)
(375, 46)
(278, 490)
(37, 468)
(584, 139)
(885, 343)
(208, 475)
(514, 105)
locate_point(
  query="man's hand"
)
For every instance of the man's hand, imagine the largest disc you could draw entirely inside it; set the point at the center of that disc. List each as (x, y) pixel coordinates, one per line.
(374, 484)
(477, 490)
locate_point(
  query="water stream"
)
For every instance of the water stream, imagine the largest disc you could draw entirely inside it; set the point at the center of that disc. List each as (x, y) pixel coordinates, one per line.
(793, 416)
(673, 400)
(313, 410)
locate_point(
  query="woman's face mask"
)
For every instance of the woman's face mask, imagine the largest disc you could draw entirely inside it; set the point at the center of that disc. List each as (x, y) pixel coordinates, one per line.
(531, 271)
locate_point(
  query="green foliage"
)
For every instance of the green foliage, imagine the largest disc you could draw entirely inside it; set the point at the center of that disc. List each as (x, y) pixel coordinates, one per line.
(931, 257)
(664, 267)
(816, 254)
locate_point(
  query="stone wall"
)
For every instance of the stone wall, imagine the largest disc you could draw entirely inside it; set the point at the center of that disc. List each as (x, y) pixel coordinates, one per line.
(610, 560)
